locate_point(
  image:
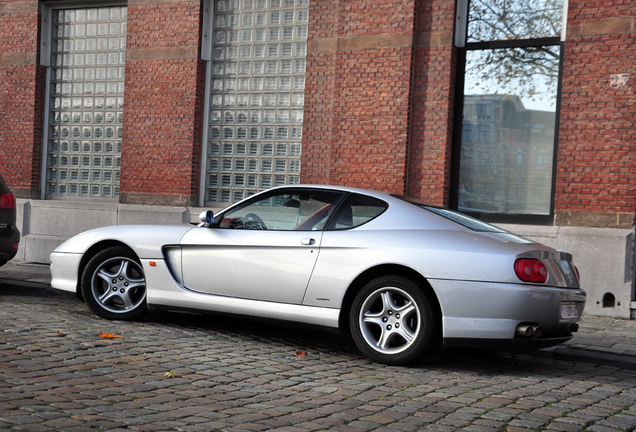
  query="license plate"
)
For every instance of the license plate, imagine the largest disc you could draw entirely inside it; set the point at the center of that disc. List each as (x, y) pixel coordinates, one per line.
(569, 311)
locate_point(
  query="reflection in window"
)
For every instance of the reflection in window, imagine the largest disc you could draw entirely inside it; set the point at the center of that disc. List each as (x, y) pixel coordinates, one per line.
(510, 96)
(498, 171)
(493, 20)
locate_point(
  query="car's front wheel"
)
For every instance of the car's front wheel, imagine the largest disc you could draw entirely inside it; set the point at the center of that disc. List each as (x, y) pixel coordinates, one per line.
(114, 285)
(393, 321)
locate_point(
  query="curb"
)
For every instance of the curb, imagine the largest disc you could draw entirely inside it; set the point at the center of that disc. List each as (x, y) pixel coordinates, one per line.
(589, 356)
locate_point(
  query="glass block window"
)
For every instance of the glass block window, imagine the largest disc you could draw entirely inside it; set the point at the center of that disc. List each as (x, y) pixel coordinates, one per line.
(257, 96)
(87, 102)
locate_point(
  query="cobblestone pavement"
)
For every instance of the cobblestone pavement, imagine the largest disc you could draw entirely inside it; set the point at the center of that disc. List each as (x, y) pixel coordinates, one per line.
(190, 372)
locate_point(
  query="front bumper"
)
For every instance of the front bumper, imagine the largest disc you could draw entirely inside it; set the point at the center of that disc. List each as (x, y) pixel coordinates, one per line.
(65, 272)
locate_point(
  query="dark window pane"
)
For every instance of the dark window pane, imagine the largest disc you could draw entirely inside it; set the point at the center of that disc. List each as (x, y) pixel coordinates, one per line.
(357, 211)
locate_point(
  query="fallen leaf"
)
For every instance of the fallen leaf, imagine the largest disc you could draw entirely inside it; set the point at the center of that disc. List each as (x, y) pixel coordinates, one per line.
(59, 333)
(109, 335)
(169, 375)
(300, 354)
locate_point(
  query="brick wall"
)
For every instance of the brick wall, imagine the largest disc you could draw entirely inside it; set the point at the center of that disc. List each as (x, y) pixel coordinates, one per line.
(378, 103)
(432, 104)
(320, 92)
(596, 171)
(163, 103)
(21, 97)
(378, 109)
(357, 93)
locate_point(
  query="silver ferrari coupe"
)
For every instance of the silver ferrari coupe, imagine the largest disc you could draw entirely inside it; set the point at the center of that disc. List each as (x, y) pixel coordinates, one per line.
(397, 274)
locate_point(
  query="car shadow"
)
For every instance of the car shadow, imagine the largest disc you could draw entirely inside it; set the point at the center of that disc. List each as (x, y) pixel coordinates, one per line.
(319, 343)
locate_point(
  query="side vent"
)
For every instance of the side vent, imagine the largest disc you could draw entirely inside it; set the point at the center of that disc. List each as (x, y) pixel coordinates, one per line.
(172, 256)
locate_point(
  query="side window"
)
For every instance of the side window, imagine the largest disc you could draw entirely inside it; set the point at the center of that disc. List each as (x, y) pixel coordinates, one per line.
(358, 210)
(289, 210)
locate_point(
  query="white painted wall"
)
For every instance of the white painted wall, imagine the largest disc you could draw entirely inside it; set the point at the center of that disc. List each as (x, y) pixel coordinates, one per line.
(604, 257)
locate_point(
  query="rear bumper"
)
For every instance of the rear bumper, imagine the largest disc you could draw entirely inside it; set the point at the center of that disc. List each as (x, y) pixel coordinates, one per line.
(487, 314)
(9, 236)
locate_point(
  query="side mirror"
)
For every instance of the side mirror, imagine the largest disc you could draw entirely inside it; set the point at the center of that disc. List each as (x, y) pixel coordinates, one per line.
(206, 218)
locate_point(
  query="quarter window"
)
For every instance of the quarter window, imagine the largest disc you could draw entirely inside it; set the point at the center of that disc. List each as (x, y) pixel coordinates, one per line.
(357, 211)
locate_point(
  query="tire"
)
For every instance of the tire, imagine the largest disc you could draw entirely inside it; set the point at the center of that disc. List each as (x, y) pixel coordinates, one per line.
(393, 321)
(114, 285)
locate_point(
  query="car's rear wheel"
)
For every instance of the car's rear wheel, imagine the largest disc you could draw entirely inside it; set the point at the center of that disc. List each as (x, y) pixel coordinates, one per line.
(393, 321)
(114, 284)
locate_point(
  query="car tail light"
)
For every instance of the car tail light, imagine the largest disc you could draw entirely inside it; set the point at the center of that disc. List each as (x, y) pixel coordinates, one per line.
(531, 270)
(7, 200)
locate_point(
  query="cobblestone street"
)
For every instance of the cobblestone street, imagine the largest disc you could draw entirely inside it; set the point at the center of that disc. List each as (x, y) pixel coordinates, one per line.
(178, 371)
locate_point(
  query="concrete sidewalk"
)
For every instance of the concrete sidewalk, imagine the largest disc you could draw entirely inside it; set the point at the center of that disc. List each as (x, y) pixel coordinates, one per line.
(599, 339)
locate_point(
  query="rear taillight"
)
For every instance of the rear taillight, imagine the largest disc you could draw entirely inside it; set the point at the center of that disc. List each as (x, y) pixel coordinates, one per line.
(7, 200)
(531, 270)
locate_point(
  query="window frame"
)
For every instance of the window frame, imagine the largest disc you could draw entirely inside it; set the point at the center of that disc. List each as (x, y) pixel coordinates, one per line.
(221, 180)
(463, 47)
(46, 9)
(330, 224)
(335, 215)
(218, 219)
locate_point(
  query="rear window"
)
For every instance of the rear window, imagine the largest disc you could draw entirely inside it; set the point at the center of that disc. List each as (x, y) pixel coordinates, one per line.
(457, 217)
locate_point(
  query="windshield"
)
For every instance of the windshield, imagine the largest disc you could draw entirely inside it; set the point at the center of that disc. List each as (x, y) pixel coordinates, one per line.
(457, 217)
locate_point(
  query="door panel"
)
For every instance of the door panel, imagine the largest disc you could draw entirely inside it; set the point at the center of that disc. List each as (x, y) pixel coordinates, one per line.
(252, 264)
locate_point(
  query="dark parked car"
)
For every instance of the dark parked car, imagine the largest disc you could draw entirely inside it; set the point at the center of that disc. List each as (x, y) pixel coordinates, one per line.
(9, 234)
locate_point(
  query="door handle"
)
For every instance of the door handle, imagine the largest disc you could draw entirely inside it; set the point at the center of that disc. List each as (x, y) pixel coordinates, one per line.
(308, 242)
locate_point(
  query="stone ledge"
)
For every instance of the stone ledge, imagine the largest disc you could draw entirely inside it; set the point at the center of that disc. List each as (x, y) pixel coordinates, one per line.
(158, 199)
(602, 27)
(18, 59)
(594, 219)
(352, 43)
(135, 3)
(19, 7)
(172, 53)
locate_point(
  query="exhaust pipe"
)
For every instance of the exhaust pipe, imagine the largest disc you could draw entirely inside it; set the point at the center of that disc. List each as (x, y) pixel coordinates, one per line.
(525, 331)
(537, 331)
(574, 328)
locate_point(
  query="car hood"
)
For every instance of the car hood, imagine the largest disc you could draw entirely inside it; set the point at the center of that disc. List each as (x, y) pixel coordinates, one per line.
(146, 240)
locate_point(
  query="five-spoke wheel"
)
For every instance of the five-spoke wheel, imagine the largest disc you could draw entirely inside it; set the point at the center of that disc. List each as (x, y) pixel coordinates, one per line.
(114, 285)
(393, 322)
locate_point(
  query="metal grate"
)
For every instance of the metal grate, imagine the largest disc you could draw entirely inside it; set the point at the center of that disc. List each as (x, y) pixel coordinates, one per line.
(257, 96)
(87, 101)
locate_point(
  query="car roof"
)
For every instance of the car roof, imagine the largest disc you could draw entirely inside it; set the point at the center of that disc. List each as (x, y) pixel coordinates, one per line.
(369, 192)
